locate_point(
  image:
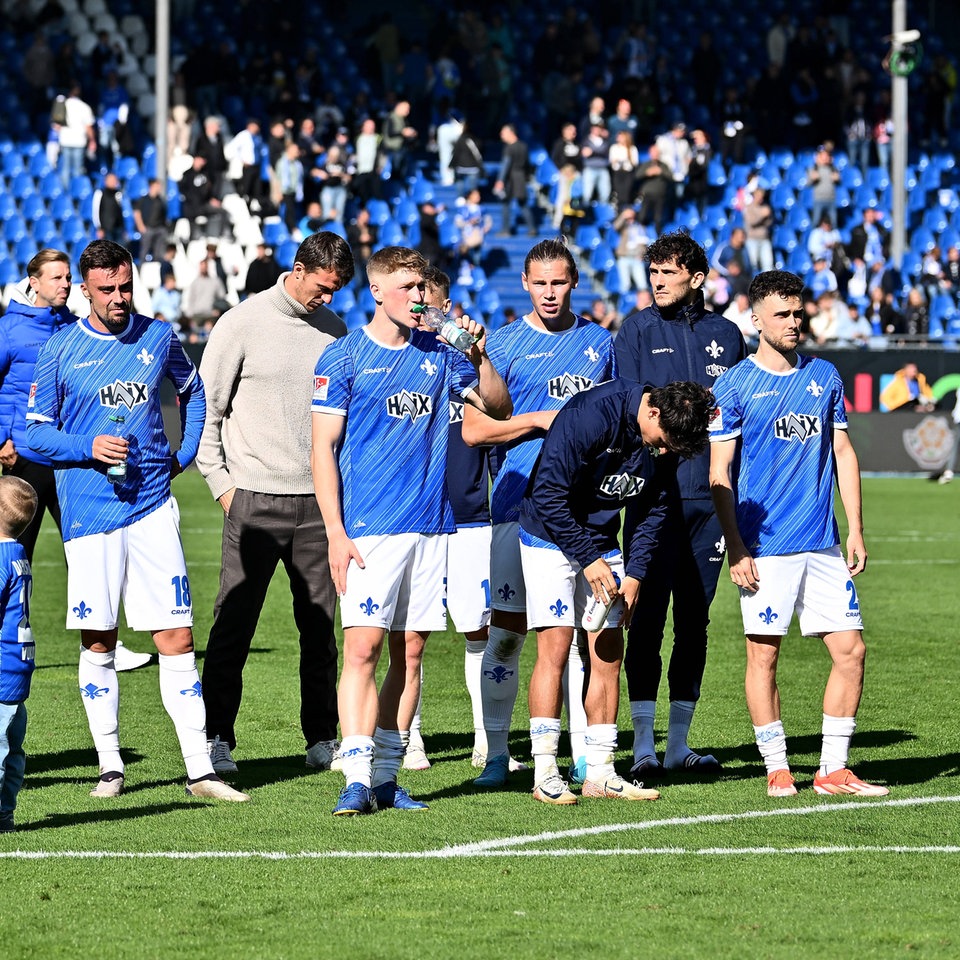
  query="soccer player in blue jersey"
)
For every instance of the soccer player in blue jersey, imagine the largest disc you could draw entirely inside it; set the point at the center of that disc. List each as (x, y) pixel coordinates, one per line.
(468, 550)
(380, 429)
(94, 410)
(18, 504)
(676, 338)
(546, 357)
(778, 439)
(618, 443)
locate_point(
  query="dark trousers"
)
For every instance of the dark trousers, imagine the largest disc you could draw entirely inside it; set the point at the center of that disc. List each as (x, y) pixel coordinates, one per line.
(687, 564)
(41, 478)
(261, 530)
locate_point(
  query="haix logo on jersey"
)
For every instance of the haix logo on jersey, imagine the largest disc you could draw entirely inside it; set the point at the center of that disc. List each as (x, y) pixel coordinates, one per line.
(567, 385)
(814, 388)
(405, 403)
(320, 387)
(796, 426)
(714, 370)
(123, 393)
(456, 411)
(621, 485)
(591, 354)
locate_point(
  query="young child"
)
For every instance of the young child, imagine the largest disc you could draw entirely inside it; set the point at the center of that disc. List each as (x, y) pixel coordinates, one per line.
(18, 503)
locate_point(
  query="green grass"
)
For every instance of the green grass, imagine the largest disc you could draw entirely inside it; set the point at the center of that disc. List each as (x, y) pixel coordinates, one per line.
(649, 886)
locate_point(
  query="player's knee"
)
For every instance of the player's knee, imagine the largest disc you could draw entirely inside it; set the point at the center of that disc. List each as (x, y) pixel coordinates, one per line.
(504, 645)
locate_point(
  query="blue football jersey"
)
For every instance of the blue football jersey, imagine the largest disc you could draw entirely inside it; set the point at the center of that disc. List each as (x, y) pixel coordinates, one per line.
(394, 446)
(16, 637)
(83, 380)
(468, 473)
(542, 370)
(784, 485)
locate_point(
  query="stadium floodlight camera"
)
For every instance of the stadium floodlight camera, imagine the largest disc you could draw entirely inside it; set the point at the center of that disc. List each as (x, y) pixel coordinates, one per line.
(903, 37)
(905, 53)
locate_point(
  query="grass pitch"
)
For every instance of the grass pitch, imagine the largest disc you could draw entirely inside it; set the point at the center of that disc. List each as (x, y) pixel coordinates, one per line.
(712, 869)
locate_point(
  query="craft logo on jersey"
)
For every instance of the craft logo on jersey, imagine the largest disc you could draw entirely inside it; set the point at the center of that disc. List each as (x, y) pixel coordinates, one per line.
(567, 385)
(621, 485)
(456, 411)
(796, 426)
(405, 404)
(123, 393)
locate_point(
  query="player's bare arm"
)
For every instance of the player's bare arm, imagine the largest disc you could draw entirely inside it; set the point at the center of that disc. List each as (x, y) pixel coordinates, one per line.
(848, 481)
(491, 395)
(480, 430)
(326, 432)
(743, 570)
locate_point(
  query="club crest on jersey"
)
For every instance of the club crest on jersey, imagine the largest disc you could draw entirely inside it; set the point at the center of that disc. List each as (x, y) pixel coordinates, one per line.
(456, 411)
(405, 404)
(145, 357)
(796, 426)
(123, 393)
(714, 349)
(814, 388)
(621, 485)
(567, 385)
(428, 367)
(591, 354)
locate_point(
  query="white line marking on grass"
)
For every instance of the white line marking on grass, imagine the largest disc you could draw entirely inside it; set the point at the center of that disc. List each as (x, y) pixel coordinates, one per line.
(507, 846)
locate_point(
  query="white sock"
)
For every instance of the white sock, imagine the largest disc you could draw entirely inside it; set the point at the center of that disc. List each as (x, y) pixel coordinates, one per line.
(499, 684)
(772, 743)
(472, 666)
(681, 716)
(181, 695)
(544, 742)
(573, 677)
(643, 712)
(356, 753)
(389, 746)
(100, 694)
(837, 734)
(601, 748)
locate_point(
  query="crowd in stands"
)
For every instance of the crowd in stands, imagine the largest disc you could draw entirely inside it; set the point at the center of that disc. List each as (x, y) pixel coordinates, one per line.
(769, 140)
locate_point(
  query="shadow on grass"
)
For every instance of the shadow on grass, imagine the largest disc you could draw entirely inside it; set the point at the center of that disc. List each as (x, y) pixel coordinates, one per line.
(269, 770)
(55, 821)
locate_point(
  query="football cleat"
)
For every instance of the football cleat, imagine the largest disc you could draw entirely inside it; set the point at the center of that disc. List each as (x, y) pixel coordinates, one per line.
(494, 773)
(554, 790)
(355, 799)
(616, 788)
(578, 770)
(321, 755)
(479, 759)
(780, 784)
(220, 756)
(126, 659)
(391, 796)
(416, 758)
(109, 785)
(846, 781)
(213, 788)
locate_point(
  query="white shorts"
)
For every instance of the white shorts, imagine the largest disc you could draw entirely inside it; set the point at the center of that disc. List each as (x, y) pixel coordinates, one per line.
(141, 564)
(468, 577)
(506, 570)
(401, 585)
(558, 592)
(817, 585)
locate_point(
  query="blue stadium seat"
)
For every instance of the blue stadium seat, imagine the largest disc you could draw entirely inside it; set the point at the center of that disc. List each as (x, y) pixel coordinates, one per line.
(39, 166)
(488, 300)
(344, 300)
(51, 186)
(365, 300)
(462, 295)
(379, 211)
(12, 164)
(421, 190)
(408, 213)
(8, 205)
(286, 252)
(449, 235)
(9, 273)
(126, 167)
(33, 207)
(355, 318)
(604, 214)
(45, 232)
(80, 187)
(275, 233)
(24, 249)
(612, 281)
(391, 234)
(14, 228)
(22, 185)
(587, 237)
(602, 258)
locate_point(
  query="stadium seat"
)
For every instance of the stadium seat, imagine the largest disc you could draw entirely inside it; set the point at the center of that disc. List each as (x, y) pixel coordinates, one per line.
(356, 317)
(32, 207)
(391, 234)
(408, 213)
(344, 300)
(21, 185)
(587, 237)
(488, 300)
(379, 211)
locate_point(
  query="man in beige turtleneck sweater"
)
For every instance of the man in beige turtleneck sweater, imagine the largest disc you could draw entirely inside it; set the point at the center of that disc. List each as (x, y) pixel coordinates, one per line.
(254, 454)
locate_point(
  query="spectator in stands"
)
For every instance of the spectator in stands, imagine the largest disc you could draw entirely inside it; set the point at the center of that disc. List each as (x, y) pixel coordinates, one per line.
(858, 130)
(263, 271)
(107, 210)
(244, 148)
(624, 161)
(698, 174)
(758, 220)
(166, 303)
(931, 273)
(166, 264)
(203, 302)
(201, 205)
(448, 133)
(951, 273)
(313, 220)
(623, 120)
(566, 148)
(778, 39)
(632, 242)
(741, 313)
(39, 70)
(869, 239)
(731, 260)
(595, 151)
(399, 141)
(496, 87)
(881, 313)
(512, 180)
(825, 323)
(368, 159)
(76, 136)
(178, 132)
(335, 174)
(821, 279)
(474, 225)
(908, 390)
(289, 174)
(113, 110)
(916, 315)
(824, 239)
(362, 236)
(596, 116)
(467, 162)
(604, 315)
(150, 219)
(656, 183)
(883, 129)
(854, 330)
(733, 125)
(675, 154)
(823, 176)
(209, 144)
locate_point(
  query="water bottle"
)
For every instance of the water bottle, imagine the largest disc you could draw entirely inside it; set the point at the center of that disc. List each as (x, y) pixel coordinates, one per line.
(117, 472)
(596, 613)
(435, 319)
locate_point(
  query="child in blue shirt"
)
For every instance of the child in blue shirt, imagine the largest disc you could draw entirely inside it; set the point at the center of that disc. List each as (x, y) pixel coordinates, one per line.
(18, 504)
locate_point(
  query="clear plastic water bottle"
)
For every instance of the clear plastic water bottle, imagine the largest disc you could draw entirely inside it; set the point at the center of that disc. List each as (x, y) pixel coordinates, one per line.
(596, 613)
(117, 472)
(435, 319)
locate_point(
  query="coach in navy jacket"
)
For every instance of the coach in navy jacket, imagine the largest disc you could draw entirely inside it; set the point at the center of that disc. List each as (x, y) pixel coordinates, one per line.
(676, 338)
